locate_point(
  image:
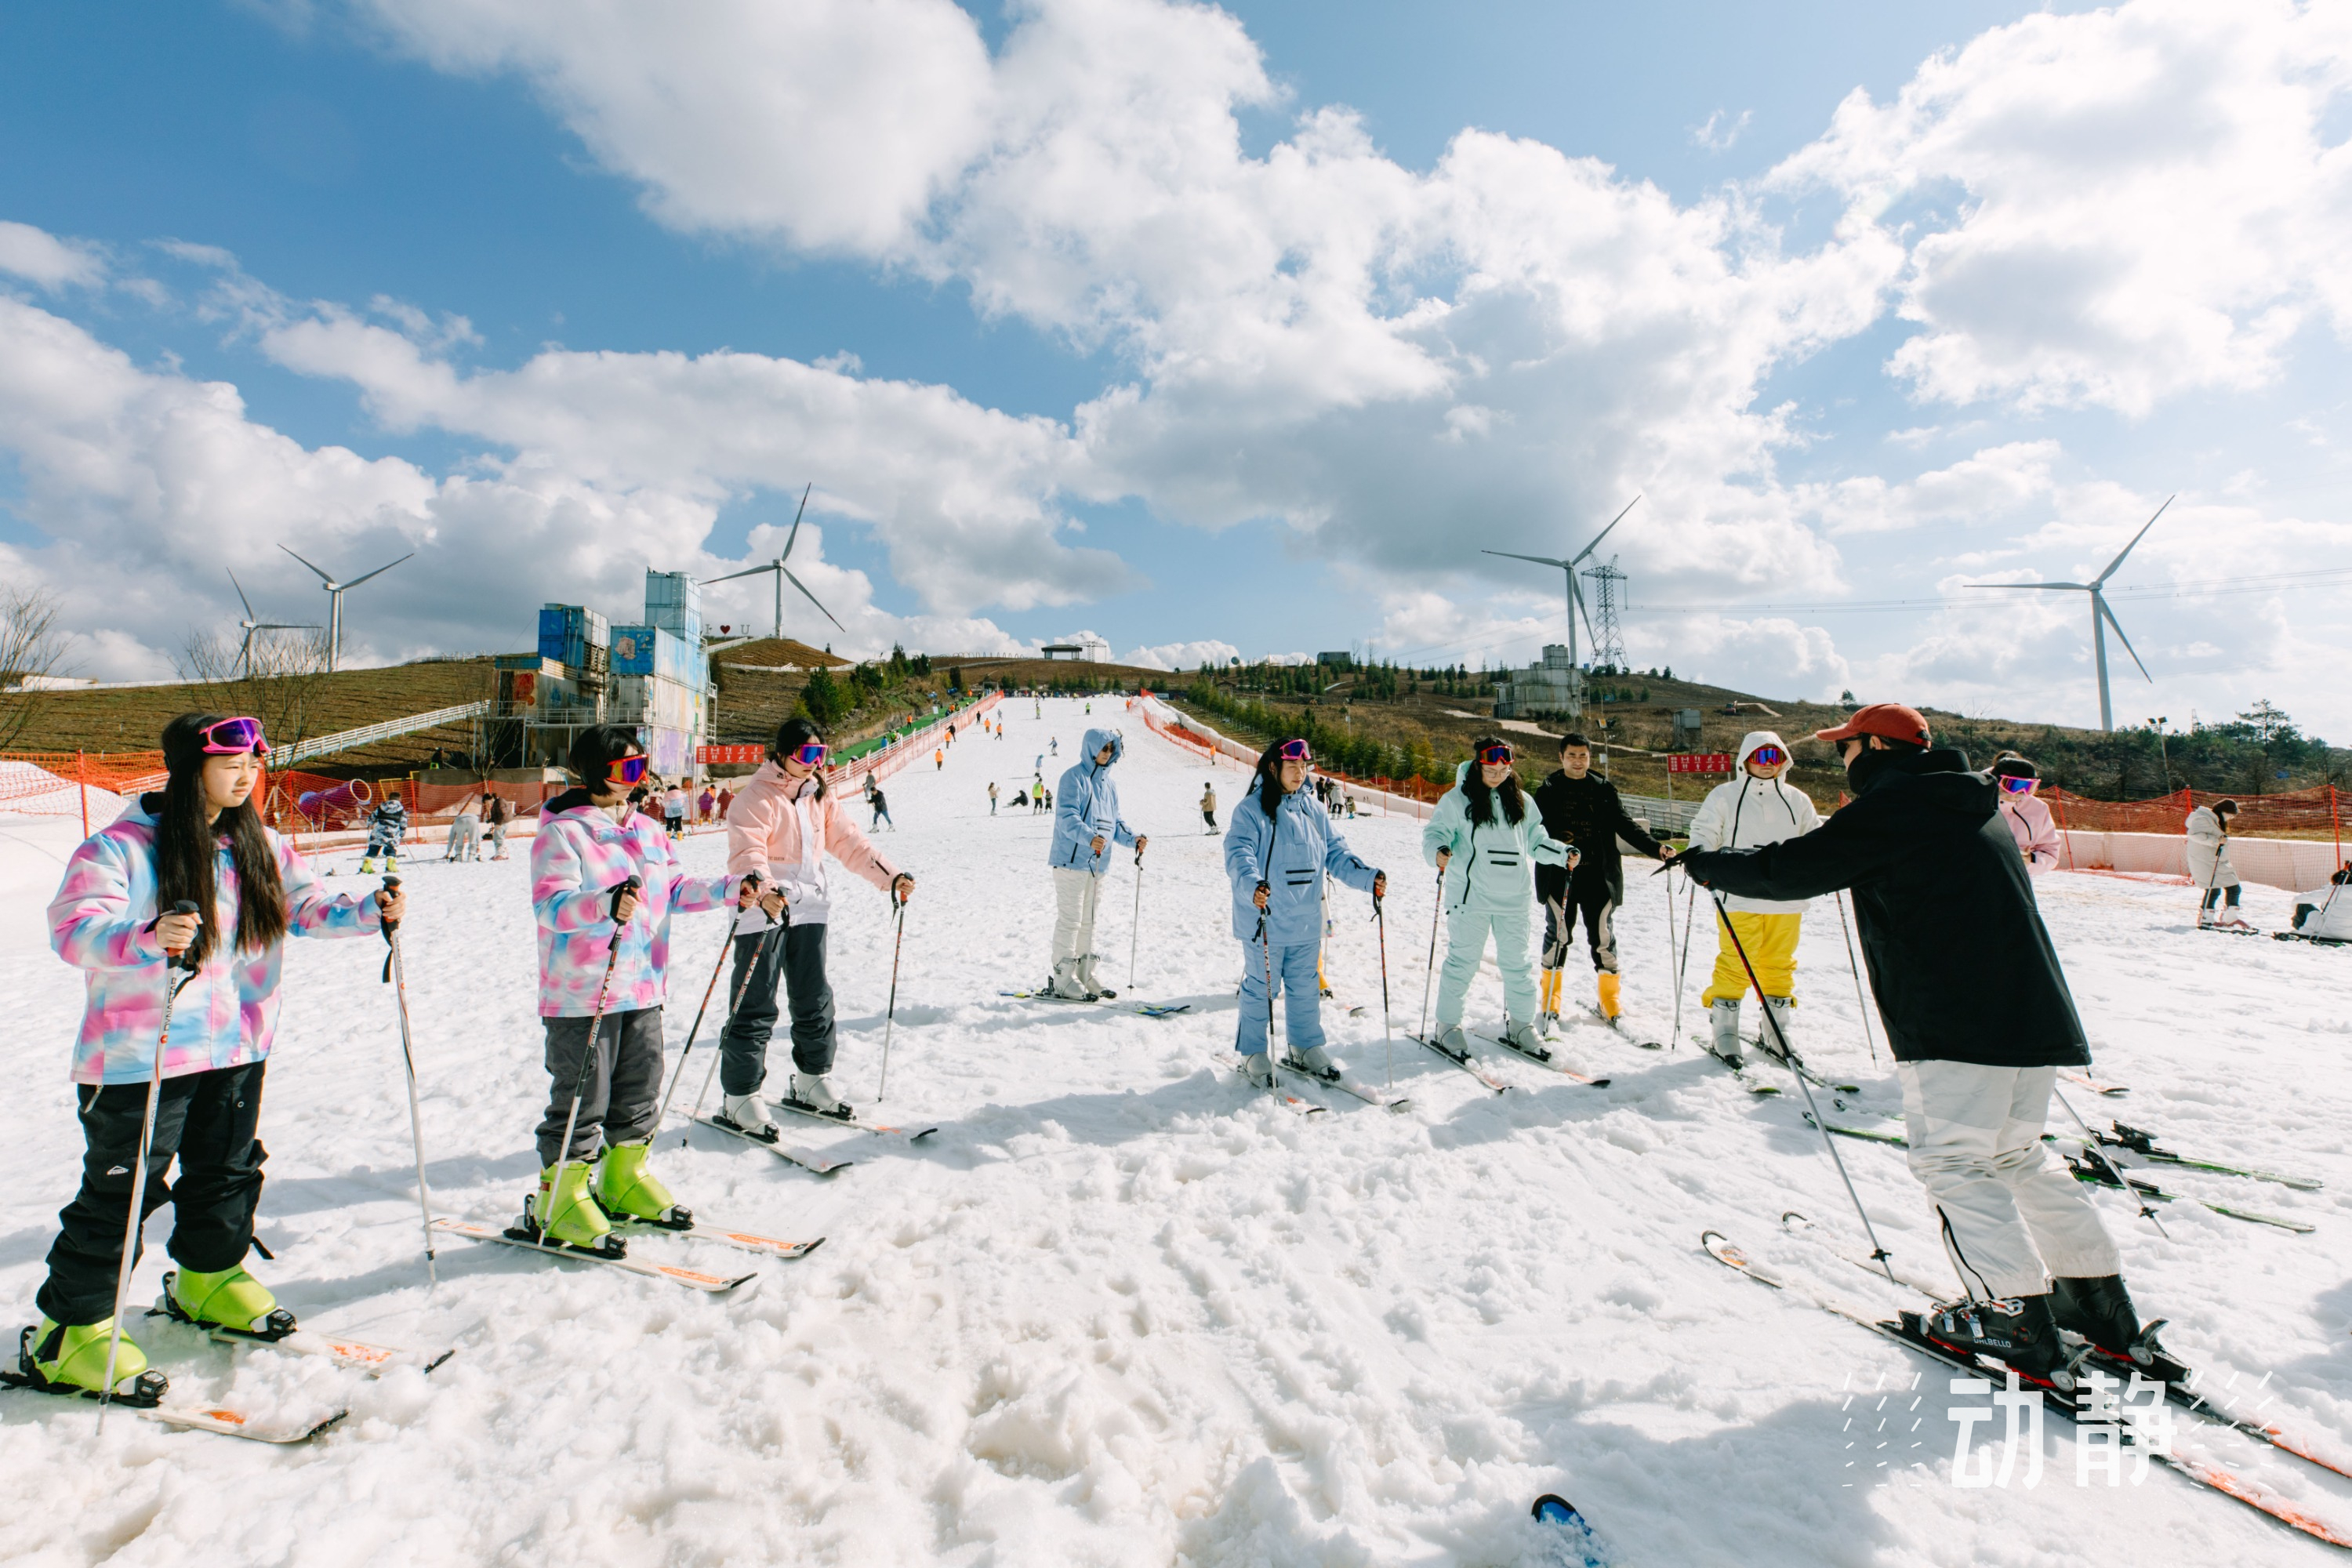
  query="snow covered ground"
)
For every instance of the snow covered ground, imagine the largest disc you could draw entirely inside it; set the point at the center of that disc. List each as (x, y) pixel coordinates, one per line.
(1119, 1310)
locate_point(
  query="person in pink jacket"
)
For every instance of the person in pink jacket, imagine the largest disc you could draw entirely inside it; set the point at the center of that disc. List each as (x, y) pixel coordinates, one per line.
(197, 840)
(783, 826)
(2028, 815)
(604, 883)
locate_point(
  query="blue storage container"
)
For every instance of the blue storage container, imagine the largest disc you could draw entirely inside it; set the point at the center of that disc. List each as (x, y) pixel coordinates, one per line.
(564, 634)
(634, 650)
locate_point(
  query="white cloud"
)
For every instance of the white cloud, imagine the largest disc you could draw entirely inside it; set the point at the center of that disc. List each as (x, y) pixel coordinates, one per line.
(41, 258)
(1183, 655)
(1990, 484)
(1722, 130)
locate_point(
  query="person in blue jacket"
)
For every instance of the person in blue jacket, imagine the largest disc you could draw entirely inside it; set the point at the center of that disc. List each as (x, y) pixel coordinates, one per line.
(1485, 839)
(1085, 825)
(1279, 844)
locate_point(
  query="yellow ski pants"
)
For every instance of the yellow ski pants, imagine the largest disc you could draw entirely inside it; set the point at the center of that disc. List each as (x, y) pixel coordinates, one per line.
(1771, 945)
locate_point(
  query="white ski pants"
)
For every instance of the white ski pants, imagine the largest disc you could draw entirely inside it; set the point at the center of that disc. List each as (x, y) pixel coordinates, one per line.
(2011, 1214)
(1466, 944)
(1076, 894)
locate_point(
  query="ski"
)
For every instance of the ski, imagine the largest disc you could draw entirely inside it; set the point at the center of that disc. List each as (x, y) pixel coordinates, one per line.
(1906, 1330)
(2085, 1171)
(2093, 1085)
(694, 1279)
(1894, 1140)
(1796, 1223)
(1281, 1096)
(2144, 1145)
(1163, 1010)
(726, 1236)
(2314, 940)
(800, 1109)
(1466, 1062)
(806, 1158)
(1752, 1085)
(1617, 1026)
(1574, 1533)
(1802, 1070)
(1050, 997)
(1547, 1059)
(146, 1401)
(1346, 1086)
(2239, 930)
(356, 1354)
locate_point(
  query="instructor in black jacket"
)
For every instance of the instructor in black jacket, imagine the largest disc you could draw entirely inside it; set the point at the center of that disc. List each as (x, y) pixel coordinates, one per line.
(1584, 812)
(1979, 1019)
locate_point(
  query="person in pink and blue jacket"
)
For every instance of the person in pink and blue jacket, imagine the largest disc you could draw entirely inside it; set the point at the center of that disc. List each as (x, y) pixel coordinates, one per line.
(197, 840)
(604, 883)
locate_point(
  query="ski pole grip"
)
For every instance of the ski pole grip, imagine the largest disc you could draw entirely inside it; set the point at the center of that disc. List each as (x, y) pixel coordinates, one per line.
(180, 907)
(391, 885)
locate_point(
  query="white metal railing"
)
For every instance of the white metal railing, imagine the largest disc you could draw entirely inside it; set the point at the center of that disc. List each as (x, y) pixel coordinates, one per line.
(368, 734)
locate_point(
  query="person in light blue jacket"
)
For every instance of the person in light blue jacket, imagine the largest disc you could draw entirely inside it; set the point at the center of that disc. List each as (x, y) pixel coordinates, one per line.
(1279, 844)
(1085, 825)
(1485, 839)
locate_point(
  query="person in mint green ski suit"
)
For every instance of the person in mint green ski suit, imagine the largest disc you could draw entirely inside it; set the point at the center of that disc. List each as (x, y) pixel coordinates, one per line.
(1486, 839)
(1279, 844)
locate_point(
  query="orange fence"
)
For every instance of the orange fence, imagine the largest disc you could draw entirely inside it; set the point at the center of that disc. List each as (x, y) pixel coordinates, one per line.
(1169, 727)
(2307, 812)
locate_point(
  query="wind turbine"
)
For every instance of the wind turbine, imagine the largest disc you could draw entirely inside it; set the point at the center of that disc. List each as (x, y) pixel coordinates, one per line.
(335, 591)
(1575, 595)
(783, 573)
(245, 649)
(2101, 616)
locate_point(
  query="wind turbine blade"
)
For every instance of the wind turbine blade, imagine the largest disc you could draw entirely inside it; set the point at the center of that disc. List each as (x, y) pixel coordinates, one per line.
(2100, 581)
(1604, 533)
(811, 597)
(380, 570)
(322, 577)
(2086, 586)
(794, 537)
(2100, 600)
(1515, 556)
(240, 593)
(747, 572)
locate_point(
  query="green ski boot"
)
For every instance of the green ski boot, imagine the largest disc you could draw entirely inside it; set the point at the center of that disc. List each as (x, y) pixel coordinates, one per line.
(57, 1359)
(624, 1186)
(367, 865)
(230, 1300)
(570, 1217)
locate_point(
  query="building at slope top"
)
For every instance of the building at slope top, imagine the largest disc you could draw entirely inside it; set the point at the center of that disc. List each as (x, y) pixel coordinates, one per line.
(652, 675)
(1553, 686)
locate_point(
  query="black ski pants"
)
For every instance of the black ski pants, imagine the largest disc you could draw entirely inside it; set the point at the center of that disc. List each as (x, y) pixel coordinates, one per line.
(795, 957)
(623, 1087)
(207, 1120)
(1597, 904)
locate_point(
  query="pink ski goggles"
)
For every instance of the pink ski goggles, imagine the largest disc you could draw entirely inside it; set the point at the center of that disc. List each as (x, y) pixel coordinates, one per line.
(234, 737)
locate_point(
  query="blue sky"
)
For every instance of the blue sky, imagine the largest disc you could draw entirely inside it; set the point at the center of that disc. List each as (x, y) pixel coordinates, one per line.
(1195, 328)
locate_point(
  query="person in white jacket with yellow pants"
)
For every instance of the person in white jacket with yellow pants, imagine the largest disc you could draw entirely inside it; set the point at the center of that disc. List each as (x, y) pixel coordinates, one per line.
(1758, 807)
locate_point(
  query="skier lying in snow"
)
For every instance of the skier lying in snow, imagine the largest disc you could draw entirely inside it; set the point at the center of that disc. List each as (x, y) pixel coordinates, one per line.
(1485, 839)
(1980, 1020)
(605, 880)
(2325, 914)
(198, 839)
(1278, 846)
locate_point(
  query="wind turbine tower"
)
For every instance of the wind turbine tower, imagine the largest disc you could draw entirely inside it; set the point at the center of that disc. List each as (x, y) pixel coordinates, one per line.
(2102, 617)
(335, 591)
(250, 626)
(1569, 568)
(784, 574)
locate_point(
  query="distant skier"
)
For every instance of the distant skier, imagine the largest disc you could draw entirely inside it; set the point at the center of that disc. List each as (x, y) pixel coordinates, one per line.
(387, 826)
(939, 758)
(1581, 809)
(2027, 814)
(784, 824)
(1758, 808)
(601, 938)
(674, 809)
(1484, 838)
(2210, 867)
(497, 814)
(992, 797)
(1280, 845)
(465, 833)
(881, 804)
(1980, 1020)
(2326, 914)
(1085, 825)
(1209, 805)
(1036, 794)
(197, 839)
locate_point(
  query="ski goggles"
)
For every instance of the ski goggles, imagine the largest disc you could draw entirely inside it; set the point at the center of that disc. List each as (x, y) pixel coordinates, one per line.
(2016, 785)
(629, 770)
(810, 753)
(1295, 752)
(1495, 756)
(1770, 756)
(233, 737)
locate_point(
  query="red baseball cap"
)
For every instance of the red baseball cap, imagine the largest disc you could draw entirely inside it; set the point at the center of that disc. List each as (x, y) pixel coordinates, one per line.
(1891, 719)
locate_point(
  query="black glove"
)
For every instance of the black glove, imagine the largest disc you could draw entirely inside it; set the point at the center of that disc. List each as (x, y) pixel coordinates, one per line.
(1695, 864)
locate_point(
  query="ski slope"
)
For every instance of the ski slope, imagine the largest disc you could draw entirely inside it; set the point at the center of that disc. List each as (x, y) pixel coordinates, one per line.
(1119, 1310)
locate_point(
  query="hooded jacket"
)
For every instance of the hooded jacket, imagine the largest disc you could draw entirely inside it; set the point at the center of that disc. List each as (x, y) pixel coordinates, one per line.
(578, 856)
(2209, 850)
(2036, 832)
(1492, 861)
(100, 923)
(1748, 813)
(1086, 806)
(785, 831)
(1587, 813)
(1288, 851)
(1962, 964)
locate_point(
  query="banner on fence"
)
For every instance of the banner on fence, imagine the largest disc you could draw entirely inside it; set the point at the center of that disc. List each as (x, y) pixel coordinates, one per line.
(730, 756)
(1698, 762)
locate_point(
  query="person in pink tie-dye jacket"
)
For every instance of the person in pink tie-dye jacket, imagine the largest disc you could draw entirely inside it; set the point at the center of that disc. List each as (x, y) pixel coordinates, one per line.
(197, 840)
(605, 880)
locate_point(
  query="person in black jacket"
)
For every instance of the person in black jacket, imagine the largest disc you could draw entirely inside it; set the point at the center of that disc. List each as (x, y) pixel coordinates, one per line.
(1980, 1020)
(1584, 811)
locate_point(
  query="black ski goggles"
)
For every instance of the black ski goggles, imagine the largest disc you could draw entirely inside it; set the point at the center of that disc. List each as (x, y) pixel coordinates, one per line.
(1495, 756)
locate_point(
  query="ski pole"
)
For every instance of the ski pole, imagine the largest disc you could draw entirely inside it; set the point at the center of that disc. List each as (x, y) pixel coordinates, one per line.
(1861, 1005)
(1878, 1254)
(758, 957)
(726, 946)
(2106, 1167)
(587, 1058)
(139, 1170)
(1388, 1032)
(891, 1013)
(1429, 975)
(1682, 980)
(1134, 926)
(396, 972)
(1266, 949)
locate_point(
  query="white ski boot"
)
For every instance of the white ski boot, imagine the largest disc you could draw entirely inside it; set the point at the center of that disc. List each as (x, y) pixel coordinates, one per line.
(1779, 1038)
(1453, 1041)
(1070, 982)
(1521, 1037)
(748, 1113)
(1090, 980)
(1315, 1062)
(1258, 1070)
(811, 1089)
(1724, 1017)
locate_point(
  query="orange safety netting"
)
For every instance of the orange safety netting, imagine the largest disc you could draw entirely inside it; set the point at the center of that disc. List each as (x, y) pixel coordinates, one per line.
(2300, 812)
